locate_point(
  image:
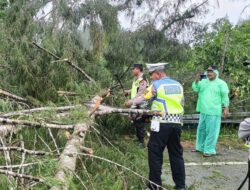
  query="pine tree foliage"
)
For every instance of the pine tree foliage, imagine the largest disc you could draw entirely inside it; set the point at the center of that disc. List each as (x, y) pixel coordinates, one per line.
(90, 35)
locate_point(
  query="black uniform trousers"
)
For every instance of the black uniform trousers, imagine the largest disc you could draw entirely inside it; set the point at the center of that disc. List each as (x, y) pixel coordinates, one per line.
(140, 129)
(168, 136)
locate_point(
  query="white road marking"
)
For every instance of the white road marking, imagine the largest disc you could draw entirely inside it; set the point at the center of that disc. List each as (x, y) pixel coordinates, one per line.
(215, 163)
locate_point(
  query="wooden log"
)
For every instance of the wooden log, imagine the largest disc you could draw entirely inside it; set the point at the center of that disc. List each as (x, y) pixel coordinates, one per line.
(67, 161)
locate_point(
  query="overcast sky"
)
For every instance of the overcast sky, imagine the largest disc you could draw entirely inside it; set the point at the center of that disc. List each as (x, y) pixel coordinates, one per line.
(230, 8)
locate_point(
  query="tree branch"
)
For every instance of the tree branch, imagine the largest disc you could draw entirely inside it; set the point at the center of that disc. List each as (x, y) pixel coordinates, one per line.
(186, 15)
(12, 96)
(66, 93)
(18, 166)
(121, 166)
(23, 158)
(23, 150)
(127, 111)
(35, 110)
(67, 61)
(51, 135)
(37, 124)
(87, 150)
(29, 177)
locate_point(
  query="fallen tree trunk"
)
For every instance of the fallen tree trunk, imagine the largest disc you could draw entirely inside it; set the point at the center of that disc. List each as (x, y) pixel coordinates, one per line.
(67, 161)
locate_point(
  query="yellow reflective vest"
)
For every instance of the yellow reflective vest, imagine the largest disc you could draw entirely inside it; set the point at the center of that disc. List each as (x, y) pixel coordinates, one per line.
(135, 86)
(166, 96)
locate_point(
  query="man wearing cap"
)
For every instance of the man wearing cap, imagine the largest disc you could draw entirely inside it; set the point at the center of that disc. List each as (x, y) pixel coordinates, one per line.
(212, 98)
(139, 85)
(166, 96)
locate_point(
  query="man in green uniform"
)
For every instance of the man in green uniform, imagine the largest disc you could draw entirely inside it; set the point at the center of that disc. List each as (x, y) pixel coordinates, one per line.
(212, 97)
(139, 85)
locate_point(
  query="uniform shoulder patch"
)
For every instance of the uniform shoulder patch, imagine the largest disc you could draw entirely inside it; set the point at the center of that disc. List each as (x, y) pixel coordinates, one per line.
(173, 89)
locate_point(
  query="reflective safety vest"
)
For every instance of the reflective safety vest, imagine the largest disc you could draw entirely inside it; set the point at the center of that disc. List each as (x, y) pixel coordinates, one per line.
(135, 86)
(169, 97)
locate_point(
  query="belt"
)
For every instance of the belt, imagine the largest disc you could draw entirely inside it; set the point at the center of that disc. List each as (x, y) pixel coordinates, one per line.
(172, 118)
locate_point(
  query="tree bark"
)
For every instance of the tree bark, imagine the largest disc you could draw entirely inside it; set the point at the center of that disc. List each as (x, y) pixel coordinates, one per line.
(67, 161)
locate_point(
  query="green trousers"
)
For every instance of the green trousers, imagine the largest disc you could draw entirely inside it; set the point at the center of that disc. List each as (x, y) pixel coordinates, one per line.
(207, 133)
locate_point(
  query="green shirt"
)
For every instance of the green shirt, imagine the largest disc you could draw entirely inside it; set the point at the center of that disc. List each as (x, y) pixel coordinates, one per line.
(212, 96)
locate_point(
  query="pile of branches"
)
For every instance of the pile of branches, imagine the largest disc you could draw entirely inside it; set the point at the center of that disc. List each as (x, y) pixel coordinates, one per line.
(75, 133)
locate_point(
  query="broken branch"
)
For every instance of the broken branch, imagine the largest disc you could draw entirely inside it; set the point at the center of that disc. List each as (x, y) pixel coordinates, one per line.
(37, 124)
(87, 150)
(23, 150)
(12, 96)
(126, 111)
(66, 93)
(67, 61)
(29, 177)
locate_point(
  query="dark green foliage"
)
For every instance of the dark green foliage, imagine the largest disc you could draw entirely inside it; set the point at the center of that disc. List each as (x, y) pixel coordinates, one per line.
(228, 47)
(36, 73)
(104, 51)
(3, 5)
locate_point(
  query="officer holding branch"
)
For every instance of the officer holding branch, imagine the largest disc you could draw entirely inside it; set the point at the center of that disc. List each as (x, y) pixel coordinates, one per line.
(166, 96)
(139, 85)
